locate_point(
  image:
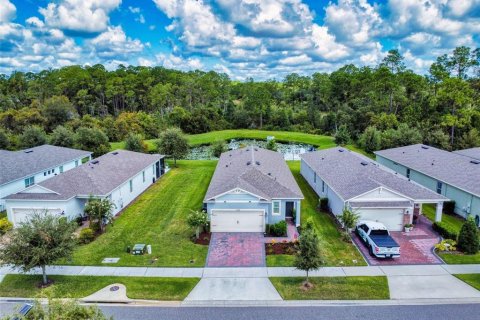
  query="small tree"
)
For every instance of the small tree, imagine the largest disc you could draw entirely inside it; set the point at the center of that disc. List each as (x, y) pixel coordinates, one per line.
(197, 220)
(99, 211)
(218, 147)
(173, 143)
(349, 219)
(62, 137)
(38, 242)
(134, 142)
(271, 145)
(308, 256)
(33, 136)
(4, 140)
(342, 137)
(371, 139)
(92, 139)
(468, 240)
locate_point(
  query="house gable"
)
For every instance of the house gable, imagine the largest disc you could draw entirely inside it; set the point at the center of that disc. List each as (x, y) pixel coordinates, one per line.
(381, 194)
(237, 195)
(38, 189)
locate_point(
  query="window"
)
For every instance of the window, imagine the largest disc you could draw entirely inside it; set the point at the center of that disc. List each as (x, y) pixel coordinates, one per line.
(45, 174)
(76, 163)
(314, 177)
(49, 171)
(439, 187)
(323, 186)
(143, 175)
(29, 182)
(53, 170)
(408, 173)
(131, 186)
(276, 207)
(61, 169)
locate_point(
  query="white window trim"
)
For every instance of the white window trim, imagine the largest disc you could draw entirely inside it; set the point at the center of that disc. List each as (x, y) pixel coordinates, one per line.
(279, 208)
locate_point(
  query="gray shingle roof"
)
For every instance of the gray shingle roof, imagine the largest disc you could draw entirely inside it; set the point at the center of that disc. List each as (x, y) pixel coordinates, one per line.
(255, 170)
(96, 178)
(472, 153)
(449, 167)
(350, 174)
(20, 164)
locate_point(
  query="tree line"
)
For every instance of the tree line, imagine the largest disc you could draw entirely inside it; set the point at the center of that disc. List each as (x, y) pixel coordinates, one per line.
(377, 107)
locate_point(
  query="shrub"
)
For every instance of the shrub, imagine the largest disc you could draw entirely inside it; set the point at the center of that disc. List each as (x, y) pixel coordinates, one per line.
(279, 229)
(345, 236)
(449, 207)
(5, 226)
(468, 240)
(323, 202)
(217, 148)
(445, 230)
(446, 245)
(86, 236)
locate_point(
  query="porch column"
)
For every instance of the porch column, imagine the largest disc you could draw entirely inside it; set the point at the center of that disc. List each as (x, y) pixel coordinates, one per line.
(438, 212)
(297, 218)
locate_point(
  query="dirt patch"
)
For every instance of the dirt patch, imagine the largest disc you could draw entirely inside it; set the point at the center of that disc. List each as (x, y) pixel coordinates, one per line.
(280, 248)
(42, 285)
(204, 238)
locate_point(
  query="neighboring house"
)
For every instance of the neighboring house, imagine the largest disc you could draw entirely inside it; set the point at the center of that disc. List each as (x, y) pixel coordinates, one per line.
(251, 187)
(22, 169)
(119, 176)
(350, 180)
(456, 175)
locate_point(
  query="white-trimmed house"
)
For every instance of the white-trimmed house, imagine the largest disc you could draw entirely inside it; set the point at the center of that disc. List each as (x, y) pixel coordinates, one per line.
(22, 169)
(350, 180)
(251, 187)
(120, 176)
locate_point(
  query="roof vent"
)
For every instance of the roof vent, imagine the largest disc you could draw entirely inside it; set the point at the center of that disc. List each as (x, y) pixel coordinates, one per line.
(226, 165)
(340, 150)
(95, 162)
(248, 149)
(28, 151)
(425, 147)
(475, 161)
(249, 163)
(364, 163)
(257, 163)
(269, 173)
(115, 153)
(256, 149)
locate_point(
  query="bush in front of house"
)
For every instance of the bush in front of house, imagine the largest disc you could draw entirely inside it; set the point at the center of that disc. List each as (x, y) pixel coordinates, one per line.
(446, 245)
(468, 240)
(5, 226)
(279, 229)
(86, 236)
(449, 207)
(323, 204)
(445, 230)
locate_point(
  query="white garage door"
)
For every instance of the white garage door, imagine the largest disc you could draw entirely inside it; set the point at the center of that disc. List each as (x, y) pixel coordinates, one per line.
(391, 218)
(237, 221)
(22, 214)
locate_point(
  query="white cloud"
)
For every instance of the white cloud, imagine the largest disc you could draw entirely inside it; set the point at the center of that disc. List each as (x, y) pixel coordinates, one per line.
(326, 46)
(82, 16)
(8, 11)
(114, 43)
(176, 62)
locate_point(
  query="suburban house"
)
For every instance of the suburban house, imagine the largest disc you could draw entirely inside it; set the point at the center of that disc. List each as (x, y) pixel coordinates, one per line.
(120, 176)
(22, 169)
(251, 187)
(456, 175)
(353, 181)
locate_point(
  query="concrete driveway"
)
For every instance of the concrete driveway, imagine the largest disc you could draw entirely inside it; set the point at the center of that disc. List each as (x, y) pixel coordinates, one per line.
(236, 249)
(416, 246)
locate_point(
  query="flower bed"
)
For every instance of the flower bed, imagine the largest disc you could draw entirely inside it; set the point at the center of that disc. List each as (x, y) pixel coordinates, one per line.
(204, 238)
(280, 248)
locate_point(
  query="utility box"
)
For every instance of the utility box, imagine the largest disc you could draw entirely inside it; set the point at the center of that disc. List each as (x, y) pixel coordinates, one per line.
(149, 249)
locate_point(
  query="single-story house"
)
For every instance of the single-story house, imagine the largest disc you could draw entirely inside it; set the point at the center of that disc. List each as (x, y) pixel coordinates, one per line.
(120, 176)
(22, 169)
(352, 181)
(456, 175)
(251, 187)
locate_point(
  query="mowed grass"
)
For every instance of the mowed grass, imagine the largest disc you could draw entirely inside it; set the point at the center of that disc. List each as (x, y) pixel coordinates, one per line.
(335, 252)
(319, 141)
(158, 218)
(471, 279)
(276, 260)
(333, 288)
(81, 286)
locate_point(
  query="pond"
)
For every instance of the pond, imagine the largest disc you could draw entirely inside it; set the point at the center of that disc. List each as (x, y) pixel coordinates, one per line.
(290, 151)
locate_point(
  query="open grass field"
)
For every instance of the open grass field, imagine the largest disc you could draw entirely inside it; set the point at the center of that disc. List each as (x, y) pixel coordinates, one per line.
(335, 252)
(333, 288)
(82, 286)
(319, 141)
(158, 218)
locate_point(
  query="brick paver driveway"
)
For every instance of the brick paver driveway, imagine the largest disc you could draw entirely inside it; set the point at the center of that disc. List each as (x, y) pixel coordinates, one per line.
(236, 250)
(415, 246)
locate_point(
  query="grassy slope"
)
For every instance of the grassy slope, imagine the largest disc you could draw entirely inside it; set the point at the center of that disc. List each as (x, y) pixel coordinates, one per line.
(157, 217)
(333, 288)
(335, 252)
(82, 286)
(284, 136)
(471, 279)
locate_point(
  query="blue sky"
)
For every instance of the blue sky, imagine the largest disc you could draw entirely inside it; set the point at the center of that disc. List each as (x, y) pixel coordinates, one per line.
(243, 38)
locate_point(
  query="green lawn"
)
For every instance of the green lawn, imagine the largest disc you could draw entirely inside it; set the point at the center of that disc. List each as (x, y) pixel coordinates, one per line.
(333, 288)
(82, 286)
(157, 217)
(471, 279)
(276, 260)
(335, 252)
(281, 136)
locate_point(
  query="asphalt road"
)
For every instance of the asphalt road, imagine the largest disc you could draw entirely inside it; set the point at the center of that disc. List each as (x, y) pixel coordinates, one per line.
(417, 312)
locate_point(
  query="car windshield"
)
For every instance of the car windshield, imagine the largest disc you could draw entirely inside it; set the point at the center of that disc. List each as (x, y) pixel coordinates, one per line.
(379, 233)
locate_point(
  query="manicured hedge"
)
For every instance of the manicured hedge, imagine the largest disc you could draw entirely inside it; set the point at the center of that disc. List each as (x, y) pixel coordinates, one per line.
(445, 230)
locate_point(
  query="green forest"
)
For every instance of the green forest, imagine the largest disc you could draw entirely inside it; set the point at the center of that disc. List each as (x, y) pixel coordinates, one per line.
(376, 107)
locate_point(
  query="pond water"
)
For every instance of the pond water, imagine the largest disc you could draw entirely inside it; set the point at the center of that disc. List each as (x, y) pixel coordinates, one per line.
(290, 151)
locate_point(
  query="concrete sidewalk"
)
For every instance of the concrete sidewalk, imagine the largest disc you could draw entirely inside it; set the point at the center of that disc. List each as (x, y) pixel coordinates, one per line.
(258, 272)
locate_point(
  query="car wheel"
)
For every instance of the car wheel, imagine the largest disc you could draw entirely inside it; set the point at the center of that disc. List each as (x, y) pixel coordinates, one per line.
(370, 250)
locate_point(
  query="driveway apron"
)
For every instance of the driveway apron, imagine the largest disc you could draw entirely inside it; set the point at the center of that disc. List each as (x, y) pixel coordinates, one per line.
(236, 250)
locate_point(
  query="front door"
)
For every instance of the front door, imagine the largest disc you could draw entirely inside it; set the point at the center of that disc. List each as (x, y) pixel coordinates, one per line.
(289, 209)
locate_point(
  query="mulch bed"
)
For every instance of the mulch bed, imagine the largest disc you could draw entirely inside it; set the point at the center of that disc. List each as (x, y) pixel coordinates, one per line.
(280, 248)
(41, 285)
(204, 238)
